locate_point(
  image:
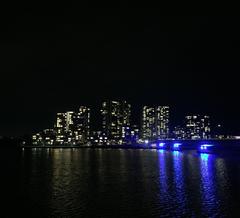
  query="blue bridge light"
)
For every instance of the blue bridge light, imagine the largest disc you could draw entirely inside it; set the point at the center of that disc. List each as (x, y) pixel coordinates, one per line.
(205, 146)
(161, 145)
(176, 145)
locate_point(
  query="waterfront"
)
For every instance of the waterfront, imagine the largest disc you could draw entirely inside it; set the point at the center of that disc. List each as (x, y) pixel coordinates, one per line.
(41, 182)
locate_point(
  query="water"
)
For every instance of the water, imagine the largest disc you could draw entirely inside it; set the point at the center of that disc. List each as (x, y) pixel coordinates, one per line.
(118, 183)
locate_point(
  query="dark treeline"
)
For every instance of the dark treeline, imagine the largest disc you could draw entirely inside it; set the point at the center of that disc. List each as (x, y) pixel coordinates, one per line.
(14, 141)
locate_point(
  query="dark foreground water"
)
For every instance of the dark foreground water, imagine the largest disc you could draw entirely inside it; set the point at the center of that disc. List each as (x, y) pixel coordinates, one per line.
(118, 183)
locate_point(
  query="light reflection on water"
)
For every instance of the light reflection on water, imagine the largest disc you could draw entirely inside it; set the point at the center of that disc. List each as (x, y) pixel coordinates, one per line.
(209, 198)
(179, 182)
(127, 183)
(207, 176)
(163, 182)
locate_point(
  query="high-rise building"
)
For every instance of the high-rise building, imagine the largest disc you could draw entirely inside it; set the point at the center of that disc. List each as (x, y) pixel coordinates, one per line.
(163, 122)
(73, 127)
(81, 125)
(149, 123)
(197, 127)
(155, 122)
(61, 128)
(116, 120)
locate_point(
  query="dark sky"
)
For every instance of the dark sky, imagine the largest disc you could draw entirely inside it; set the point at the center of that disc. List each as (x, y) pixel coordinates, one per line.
(56, 60)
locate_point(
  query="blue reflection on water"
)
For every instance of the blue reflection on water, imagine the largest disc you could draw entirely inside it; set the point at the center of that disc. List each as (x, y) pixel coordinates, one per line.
(204, 157)
(172, 187)
(161, 151)
(164, 183)
(179, 185)
(162, 169)
(176, 154)
(209, 198)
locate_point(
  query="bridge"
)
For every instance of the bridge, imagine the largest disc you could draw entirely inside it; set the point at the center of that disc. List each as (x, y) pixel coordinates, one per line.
(190, 144)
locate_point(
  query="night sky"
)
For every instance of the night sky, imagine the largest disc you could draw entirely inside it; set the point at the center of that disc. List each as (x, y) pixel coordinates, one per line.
(57, 60)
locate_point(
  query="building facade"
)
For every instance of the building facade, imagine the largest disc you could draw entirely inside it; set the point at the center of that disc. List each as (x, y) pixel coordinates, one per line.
(46, 137)
(73, 127)
(179, 132)
(81, 125)
(116, 120)
(197, 127)
(155, 123)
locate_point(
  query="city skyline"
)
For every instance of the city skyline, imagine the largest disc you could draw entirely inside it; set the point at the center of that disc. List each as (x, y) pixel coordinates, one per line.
(118, 112)
(135, 118)
(117, 128)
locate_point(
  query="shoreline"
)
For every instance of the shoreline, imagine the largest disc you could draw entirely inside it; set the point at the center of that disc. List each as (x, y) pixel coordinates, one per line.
(186, 144)
(222, 147)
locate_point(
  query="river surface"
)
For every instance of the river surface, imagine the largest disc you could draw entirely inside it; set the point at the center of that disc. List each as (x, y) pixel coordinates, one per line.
(118, 183)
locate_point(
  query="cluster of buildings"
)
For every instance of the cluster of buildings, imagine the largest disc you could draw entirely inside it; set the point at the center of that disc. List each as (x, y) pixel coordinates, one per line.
(73, 127)
(194, 127)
